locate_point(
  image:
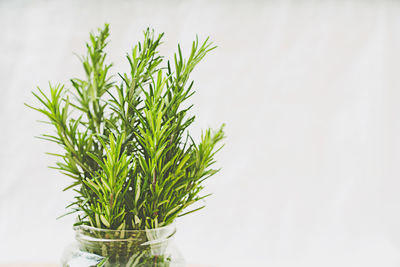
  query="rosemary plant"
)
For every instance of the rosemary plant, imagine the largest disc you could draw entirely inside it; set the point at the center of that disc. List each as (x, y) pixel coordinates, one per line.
(125, 138)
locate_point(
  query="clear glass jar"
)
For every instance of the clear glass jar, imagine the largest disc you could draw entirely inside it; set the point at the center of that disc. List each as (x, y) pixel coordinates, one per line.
(125, 248)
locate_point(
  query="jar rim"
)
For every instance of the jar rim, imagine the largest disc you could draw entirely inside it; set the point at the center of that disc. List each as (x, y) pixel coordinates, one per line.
(83, 227)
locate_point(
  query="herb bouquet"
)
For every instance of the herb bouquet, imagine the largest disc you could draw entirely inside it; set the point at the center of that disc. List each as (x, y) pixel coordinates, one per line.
(126, 147)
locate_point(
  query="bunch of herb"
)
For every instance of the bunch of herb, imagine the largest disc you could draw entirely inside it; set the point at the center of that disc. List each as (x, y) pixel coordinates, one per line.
(125, 138)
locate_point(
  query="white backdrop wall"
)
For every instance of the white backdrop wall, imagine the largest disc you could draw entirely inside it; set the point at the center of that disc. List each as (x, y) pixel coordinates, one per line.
(309, 91)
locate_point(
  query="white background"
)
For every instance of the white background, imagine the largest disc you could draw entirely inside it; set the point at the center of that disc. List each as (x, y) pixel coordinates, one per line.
(310, 93)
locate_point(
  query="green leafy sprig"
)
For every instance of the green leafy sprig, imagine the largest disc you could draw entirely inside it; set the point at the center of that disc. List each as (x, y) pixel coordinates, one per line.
(126, 144)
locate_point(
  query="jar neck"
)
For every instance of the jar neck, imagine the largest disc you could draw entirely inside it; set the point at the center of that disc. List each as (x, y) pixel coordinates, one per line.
(85, 234)
(121, 245)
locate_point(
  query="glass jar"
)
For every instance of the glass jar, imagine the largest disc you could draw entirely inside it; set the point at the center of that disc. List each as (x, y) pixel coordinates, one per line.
(123, 248)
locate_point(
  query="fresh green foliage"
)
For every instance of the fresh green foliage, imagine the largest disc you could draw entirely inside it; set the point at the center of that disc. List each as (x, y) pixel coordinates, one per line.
(126, 144)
